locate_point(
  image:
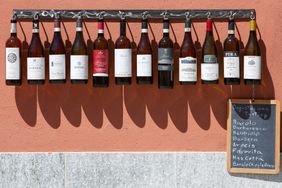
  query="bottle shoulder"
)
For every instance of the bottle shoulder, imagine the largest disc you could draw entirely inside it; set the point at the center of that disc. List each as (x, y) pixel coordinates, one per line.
(13, 42)
(166, 42)
(231, 43)
(123, 42)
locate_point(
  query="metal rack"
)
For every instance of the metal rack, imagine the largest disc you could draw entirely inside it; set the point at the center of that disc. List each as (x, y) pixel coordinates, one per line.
(136, 15)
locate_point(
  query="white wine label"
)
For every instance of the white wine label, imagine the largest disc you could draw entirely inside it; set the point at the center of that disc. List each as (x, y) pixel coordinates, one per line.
(209, 71)
(123, 64)
(252, 67)
(36, 68)
(144, 65)
(231, 63)
(210, 59)
(13, 28)
(57, 67)
(13, 64)
(187, 69)
(79, 67)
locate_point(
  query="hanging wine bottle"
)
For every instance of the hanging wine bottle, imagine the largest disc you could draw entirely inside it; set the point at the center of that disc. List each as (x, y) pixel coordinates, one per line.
(209, 65)
(35, 59)
(231, 61)
(13, 57)
(165, 59)
(100, 58)
(57, 55)
(79, 58)
(144, 57)
(187, 60)
(252, 58)
(123, 55)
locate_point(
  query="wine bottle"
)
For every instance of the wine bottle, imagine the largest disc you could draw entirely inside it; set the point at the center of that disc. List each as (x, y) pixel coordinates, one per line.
(123, 55)
(57, 55)
(13, 57)
(209, 66)
(79, 57)
(144, 57)
(35, 59)
(165, 59)
(252, 58)
(100, 58)
(231, 61)
(187, 60)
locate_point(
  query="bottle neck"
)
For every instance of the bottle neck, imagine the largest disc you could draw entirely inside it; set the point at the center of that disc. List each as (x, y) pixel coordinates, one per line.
(100, 28)
(13, 29)
(123, 28)
(35, 28)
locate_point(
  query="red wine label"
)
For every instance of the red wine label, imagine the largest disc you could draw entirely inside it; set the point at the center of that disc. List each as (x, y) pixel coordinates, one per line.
(100, 62)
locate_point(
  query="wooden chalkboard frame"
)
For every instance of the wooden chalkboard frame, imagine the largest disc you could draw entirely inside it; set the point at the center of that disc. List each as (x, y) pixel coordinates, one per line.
(277, 137)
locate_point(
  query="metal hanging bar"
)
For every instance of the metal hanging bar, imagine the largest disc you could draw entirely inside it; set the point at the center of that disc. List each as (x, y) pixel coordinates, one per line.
(131, 15)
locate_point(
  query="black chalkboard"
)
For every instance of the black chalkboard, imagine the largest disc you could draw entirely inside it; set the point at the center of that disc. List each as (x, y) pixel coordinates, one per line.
(253, 136)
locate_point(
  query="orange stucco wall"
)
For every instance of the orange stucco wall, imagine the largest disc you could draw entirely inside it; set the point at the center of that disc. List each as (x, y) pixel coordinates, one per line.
(133, 118)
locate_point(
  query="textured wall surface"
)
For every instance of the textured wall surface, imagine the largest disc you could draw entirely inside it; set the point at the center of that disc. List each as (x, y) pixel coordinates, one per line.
(133, 118)
(131, 170)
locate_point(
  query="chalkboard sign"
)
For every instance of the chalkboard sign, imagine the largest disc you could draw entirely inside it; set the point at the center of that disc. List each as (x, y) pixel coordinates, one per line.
(253, 136)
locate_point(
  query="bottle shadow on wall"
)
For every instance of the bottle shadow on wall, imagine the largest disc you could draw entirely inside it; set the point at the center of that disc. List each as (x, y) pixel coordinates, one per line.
(164, 102)
(109, 100)
(25, 95)
(134, 94)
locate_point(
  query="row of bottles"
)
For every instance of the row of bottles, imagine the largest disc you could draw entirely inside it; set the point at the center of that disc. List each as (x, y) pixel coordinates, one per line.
(123, 57)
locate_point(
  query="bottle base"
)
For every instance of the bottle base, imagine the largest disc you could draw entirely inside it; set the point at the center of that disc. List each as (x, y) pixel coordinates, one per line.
(79, 81)
(252, 82)
(36, 82)
(187, 83)
(209, 82)
(57, 81)
(144, 80)
(100, 81)
(13, 82)
(123, 81)
(231, 81)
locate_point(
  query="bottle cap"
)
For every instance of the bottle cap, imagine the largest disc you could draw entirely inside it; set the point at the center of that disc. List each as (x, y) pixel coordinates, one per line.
(209, 25)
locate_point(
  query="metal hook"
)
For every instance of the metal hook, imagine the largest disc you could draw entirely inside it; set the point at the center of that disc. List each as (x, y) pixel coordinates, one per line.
(36, 16)
(231, 16)
(187, 15)
(101, 15)
(209, 15)
(122, 15)
(165, 15)
(252, 16)
(145, 15)
(14, 16)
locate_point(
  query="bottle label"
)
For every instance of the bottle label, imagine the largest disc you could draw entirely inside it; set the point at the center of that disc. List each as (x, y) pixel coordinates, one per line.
(144, 30)
(13, 28)
(57, 67)
(36, 68)
(57, 29)
(144, 65)
(165, 30)
(188, 69)
(123, 65)
(165, 59)
(79, 29)
(100, 63)
(231, 63)
(209, 69)
(13, 68)
(187, 29)
(79, 67)
(252, 67)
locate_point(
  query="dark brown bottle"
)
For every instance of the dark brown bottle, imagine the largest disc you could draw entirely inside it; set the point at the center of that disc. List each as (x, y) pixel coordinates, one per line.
(165, 59)
(100, 58)
(13, 57)
(252, 58)
(231, 61)
(187, 60)
(144, 57)
(57, 55)
(79, 58)
(123, 55)
(209, 66)
(35, 59)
